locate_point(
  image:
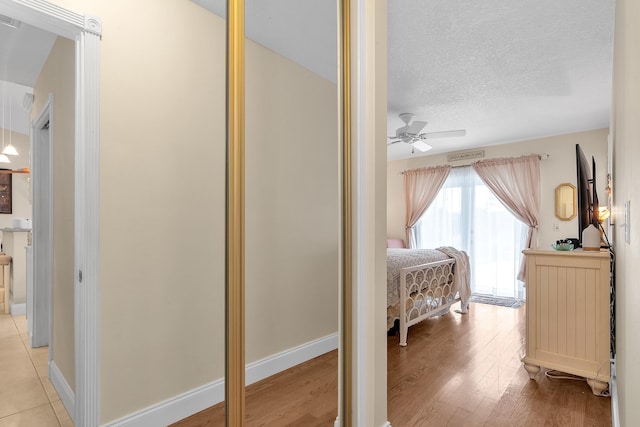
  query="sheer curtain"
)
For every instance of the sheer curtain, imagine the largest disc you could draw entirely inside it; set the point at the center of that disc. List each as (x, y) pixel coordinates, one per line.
(420, 186)
(466, 215)
(516, 182)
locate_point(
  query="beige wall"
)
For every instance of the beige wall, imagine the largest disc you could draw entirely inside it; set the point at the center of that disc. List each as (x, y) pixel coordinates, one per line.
(57, 78)
(626, 157)
(162, 203)
(292, 205)
(560, 167)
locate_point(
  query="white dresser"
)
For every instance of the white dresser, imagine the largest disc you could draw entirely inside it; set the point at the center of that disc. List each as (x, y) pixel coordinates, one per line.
(567, 308)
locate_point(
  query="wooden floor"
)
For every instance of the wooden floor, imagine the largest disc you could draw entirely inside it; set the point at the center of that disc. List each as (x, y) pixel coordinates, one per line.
(457, 370)
(305, 395)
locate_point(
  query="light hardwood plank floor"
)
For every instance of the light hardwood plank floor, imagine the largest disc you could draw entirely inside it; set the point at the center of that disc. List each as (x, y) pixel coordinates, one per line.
(457, 370)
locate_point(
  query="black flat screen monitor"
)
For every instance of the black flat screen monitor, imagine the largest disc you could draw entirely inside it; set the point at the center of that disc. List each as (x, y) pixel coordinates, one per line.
(587, 196)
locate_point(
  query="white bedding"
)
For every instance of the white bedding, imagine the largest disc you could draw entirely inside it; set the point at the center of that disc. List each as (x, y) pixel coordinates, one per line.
(462, 278)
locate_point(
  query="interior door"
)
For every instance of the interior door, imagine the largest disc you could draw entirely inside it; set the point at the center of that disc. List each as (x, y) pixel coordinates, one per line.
(39, 302)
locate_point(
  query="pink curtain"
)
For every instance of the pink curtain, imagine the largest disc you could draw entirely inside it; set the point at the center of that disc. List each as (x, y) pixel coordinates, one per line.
(516, 183)
(420, 188)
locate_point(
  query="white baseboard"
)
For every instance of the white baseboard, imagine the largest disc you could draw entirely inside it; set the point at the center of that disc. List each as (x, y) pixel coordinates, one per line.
(615, 415)
(278, 362)
(336, 423)
(62, 387)
(18, 309)
(196, 400)
(613, 389)
(175, 409)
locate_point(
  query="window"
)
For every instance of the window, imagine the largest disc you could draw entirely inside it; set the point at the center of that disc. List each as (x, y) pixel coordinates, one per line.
(466, 215)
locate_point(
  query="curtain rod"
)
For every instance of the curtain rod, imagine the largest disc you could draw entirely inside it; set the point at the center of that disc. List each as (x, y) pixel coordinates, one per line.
(543, 156)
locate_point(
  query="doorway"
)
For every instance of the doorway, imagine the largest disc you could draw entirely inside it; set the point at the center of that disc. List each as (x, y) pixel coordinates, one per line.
(83, 401)
(40, 288)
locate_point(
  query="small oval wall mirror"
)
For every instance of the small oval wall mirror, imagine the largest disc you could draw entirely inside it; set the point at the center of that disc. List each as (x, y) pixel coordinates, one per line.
(566, 205)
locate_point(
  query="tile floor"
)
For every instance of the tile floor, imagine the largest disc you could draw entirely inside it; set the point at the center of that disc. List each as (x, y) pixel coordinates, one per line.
(27, 397)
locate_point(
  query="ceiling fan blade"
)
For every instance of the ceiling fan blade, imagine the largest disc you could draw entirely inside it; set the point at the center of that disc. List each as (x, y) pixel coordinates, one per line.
(422, 146)
(400, 132)
(444, 134)
(415, 127)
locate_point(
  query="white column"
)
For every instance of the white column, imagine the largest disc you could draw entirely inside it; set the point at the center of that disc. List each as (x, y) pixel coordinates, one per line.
(369, 77)
(87, 205)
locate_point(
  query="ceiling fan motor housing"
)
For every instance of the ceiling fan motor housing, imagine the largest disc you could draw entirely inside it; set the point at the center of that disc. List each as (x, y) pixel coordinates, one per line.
(406, 117)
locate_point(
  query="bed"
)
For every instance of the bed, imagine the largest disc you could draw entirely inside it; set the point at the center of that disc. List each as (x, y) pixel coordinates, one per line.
(423, 283)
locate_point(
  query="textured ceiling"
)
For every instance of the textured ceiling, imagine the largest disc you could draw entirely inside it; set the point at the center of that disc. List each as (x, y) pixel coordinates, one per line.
(23, 52)
(504, 70)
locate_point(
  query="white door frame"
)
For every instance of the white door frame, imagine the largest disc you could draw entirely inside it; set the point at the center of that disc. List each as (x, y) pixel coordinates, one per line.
(42, 181)
(86, 31)
(369, 111)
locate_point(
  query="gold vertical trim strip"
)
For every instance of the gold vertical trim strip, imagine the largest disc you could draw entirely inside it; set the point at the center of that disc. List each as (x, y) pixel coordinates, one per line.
(346, 412)
(235, 195)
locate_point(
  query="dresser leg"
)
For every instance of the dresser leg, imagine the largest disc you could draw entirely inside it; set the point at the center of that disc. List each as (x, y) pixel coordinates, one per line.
(532, 370)
(597, 387)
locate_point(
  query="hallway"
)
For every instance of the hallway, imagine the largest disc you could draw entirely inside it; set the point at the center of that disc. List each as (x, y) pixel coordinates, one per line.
(27, 397)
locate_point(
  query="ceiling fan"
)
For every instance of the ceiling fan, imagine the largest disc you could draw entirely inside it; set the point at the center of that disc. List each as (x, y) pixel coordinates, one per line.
(410, 133)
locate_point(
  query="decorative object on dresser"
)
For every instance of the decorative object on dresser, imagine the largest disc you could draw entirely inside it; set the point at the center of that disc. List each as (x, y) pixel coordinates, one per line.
(591, 238)
(562, 245)
(568, 314)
